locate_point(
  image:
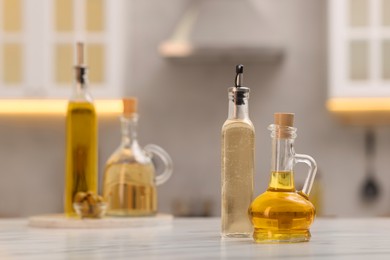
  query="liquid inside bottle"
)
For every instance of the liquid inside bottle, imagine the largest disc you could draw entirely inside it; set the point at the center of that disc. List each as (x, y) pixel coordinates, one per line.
(81, 173)
(282, 214)
(129, 188)
(238, 142)
(237, 167)
(129, 177)
(81, 141)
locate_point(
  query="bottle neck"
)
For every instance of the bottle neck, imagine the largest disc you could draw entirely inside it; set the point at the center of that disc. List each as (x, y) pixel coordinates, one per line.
(129, 130)
(238, 110)
(282, 159)
(282, 155)
(80, 90)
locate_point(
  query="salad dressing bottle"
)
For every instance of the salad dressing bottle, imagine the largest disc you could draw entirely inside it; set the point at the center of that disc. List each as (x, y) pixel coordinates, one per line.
(238, 149)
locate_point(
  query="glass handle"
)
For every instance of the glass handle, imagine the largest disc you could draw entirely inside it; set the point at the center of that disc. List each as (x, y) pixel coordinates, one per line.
(153, 149)
(309, 161)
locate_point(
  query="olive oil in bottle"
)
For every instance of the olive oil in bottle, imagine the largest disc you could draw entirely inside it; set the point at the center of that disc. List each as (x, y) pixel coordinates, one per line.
(130, 179)
(282, 214)
(81, 138)
(238, 142)
(139, 188)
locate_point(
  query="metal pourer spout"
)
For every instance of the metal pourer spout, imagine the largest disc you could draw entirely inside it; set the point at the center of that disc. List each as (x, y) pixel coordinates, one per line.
(240, 93)
(239, 75)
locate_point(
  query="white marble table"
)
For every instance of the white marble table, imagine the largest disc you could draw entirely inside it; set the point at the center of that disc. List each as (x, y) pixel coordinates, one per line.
(193, 239)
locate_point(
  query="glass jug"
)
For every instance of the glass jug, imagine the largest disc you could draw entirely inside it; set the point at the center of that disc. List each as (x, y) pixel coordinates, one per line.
(283, 214)
(129, 185)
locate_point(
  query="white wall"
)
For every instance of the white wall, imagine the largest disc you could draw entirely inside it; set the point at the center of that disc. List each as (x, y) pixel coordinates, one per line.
(183, 108)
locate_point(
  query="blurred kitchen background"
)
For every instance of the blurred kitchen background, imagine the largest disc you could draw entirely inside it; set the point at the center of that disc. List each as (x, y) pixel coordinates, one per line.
(326, 61)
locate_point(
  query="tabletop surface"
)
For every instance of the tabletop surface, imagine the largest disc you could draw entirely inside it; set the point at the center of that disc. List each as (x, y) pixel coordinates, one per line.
(193, 238)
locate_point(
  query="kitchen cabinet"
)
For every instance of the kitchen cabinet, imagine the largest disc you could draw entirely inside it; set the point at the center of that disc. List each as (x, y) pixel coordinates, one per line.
(37, 40)
(193, 238)
(359, 60)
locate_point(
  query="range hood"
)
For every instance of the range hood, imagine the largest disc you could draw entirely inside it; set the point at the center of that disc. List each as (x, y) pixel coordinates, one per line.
(222, 30)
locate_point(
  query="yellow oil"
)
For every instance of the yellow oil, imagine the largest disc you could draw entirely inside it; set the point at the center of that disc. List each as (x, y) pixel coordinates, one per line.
(81, 151)
(129, 189)
(238, 137)
(281, 214)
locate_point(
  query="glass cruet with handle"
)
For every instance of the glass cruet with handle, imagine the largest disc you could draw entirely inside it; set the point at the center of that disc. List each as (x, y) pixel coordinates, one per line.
(130, 180)
(282, 214)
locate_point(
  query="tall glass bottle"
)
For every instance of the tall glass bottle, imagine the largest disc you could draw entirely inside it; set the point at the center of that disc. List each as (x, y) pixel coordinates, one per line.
(81, 138)
(282, 214)
(129, 185)
(238, 148)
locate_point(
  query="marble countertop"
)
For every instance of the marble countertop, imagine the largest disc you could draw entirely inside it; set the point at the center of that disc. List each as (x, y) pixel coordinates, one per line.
(193, 238)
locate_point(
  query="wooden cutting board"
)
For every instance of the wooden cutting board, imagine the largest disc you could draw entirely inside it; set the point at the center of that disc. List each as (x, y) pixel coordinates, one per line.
(62, 221)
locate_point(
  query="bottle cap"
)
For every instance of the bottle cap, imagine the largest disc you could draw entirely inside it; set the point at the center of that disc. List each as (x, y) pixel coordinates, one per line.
(130, 106)
(284, 119)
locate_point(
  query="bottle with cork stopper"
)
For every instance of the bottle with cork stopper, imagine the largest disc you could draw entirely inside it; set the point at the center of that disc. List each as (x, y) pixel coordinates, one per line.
(282, 214)
(237, 162)
(81, 137)
(129, 182)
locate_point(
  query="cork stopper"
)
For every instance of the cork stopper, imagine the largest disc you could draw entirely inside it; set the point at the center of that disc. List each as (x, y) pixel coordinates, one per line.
(80, 53)
(130, 106)
(284, 119)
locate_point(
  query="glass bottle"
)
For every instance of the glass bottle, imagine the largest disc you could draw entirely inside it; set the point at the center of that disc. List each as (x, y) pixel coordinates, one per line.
(129, 185)
(81, 138)
(282, 214)
(238, 148)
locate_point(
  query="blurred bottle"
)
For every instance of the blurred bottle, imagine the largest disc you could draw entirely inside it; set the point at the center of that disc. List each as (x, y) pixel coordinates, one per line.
(81, 138)
(129, 185)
